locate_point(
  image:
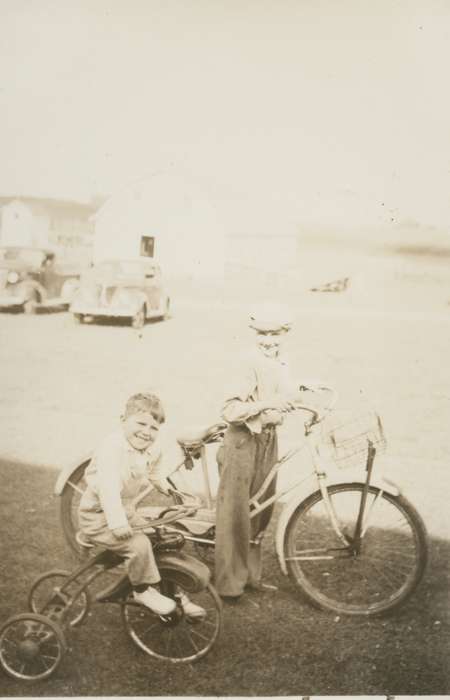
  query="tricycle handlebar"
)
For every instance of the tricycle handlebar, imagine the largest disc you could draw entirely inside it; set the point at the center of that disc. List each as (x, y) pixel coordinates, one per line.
(176, 512)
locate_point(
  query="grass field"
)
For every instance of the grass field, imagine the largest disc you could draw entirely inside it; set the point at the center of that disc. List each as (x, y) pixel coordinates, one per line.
(62, 388)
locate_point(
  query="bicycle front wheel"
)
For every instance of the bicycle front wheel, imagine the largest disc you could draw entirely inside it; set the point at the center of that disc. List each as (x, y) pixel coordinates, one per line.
(370, 579)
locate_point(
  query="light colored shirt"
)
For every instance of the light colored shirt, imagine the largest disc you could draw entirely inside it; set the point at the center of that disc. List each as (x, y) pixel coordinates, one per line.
(117, 475)
(258, 378)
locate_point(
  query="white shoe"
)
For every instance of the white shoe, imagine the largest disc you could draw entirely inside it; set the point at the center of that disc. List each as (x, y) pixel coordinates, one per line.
(190, 609)
(159, 604)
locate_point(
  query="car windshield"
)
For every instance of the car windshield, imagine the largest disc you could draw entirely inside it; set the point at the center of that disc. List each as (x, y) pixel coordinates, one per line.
(120, 268)
(29, 256)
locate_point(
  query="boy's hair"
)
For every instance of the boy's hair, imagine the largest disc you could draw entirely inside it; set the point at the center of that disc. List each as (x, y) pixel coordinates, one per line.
(145, 403)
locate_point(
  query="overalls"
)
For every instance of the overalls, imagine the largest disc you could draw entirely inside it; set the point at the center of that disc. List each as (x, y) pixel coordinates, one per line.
(137, 550)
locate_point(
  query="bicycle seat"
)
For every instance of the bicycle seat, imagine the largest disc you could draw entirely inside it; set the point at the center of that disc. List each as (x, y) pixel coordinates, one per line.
(196, 437)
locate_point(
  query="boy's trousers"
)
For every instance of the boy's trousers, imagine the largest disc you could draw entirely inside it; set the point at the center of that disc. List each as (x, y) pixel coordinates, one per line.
(244, 462)
(137, 552)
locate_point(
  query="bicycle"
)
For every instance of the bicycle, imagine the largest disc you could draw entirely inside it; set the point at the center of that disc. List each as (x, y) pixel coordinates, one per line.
(346, 537)
(32, 644)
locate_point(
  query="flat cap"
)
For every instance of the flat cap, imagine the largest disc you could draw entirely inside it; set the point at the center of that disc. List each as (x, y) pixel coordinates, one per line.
(270, 317)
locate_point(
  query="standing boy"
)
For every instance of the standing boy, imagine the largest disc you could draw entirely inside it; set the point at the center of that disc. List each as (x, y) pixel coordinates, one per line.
(257, 399)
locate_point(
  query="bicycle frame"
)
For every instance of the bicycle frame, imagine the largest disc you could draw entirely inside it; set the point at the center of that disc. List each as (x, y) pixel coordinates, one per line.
(322, 476)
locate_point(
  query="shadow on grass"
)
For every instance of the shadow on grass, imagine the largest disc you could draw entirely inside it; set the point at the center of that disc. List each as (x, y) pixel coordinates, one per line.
(271, 643)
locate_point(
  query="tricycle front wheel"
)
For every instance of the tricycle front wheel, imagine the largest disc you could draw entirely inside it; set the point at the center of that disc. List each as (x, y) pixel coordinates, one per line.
(31, 647)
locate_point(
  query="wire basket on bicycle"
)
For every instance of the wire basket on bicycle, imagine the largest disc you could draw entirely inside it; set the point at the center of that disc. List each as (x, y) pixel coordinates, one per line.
(346, 436)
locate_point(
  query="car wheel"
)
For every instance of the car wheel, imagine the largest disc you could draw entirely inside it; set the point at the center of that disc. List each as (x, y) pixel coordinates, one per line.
(30, 305)
(138, 320)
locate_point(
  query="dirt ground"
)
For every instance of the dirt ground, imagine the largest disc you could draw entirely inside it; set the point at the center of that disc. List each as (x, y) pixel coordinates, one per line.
(63, 385)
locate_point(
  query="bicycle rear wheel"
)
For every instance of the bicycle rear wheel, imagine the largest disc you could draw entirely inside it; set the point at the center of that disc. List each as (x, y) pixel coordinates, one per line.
(70, 501)
(377, 578)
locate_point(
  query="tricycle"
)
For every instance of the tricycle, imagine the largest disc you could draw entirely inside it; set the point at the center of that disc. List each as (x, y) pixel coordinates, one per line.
(32, 644)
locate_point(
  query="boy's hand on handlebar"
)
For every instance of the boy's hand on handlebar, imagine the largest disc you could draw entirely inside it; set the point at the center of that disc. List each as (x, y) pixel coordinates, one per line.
(139, 521)
(282, 405)
(122, 533)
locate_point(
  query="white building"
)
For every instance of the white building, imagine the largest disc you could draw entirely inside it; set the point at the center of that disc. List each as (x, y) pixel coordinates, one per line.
(167, 217)
(64, 226)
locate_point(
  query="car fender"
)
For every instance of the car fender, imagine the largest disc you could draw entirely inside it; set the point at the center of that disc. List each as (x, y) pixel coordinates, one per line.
(66, 473)
(307, 488)
(69, 288)
(29, 285)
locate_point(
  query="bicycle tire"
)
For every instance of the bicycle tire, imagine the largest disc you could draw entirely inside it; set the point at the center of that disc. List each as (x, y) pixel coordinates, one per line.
(395, 557)
(70, 500)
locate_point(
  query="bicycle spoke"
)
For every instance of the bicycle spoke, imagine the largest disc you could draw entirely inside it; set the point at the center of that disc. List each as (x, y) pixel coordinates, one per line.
(399, 550)
(381, 573)
(392, 567)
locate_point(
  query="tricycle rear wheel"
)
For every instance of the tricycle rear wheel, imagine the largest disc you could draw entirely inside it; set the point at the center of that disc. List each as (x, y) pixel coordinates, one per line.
(52, 594)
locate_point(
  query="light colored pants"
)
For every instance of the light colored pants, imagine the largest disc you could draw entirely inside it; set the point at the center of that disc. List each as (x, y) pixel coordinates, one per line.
(244, 462)
(137, 552)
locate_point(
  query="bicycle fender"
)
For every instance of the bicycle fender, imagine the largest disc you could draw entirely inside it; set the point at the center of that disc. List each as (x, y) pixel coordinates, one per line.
(187, 571)
(66, 473)
(333, 478)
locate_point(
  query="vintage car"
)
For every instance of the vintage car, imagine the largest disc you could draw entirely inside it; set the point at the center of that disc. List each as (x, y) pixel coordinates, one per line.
(121, 289)
(32, 278)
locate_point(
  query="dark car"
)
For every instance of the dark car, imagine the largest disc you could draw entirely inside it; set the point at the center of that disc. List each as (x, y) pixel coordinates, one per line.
(31, 278)
(130, 289)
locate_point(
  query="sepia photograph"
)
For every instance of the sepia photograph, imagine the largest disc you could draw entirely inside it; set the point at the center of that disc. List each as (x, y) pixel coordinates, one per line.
(224, 348)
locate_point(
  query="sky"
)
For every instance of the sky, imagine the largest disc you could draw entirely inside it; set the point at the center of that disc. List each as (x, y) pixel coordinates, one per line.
(335, 113)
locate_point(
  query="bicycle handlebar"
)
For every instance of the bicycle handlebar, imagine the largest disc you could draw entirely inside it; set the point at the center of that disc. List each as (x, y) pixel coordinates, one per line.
(318, 415)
